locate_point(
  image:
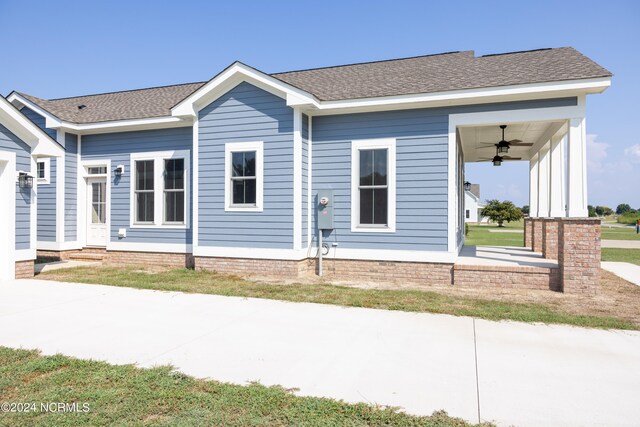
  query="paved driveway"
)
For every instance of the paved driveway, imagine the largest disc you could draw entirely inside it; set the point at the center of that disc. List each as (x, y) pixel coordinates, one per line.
(512, 373)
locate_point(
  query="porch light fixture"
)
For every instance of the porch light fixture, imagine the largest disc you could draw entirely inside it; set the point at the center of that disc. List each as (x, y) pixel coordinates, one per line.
(25, 180)
(467, 185)
(503, 147)
(119, 170)
(497, 161)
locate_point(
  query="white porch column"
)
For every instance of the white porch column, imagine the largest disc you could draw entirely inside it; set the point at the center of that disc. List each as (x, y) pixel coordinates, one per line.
(556, 182)
(577, 169)
(533, 186)
(543, 181)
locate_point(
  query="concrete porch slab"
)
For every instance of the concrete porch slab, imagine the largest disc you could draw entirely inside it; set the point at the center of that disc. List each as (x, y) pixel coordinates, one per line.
(503, 256)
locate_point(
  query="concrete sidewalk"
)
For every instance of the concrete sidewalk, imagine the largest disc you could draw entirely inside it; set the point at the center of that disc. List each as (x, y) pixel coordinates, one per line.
(623, 244)
(511, 373)
(629, 272)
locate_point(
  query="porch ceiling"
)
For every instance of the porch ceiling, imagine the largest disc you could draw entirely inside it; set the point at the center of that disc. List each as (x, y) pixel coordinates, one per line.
(477, 141)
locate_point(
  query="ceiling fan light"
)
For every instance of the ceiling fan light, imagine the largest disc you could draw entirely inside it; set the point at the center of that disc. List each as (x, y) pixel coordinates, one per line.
(497, 161)
(503, 149)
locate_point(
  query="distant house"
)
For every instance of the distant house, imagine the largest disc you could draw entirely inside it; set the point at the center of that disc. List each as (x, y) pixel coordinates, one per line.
(473, 205)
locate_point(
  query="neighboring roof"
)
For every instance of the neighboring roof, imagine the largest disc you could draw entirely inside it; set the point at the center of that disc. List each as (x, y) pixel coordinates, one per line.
(422, 74)
(475, 190)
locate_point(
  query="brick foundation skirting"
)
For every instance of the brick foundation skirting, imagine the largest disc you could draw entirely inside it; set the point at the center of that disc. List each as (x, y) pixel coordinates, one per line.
(550, 238)
(25, 269)
(149, 259)
(386, 271)
(507, 277)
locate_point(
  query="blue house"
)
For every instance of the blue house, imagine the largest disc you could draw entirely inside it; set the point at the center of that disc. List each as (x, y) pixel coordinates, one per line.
(225, 174)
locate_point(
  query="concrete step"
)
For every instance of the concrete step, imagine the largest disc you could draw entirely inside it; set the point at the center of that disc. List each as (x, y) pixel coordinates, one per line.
(87, 256)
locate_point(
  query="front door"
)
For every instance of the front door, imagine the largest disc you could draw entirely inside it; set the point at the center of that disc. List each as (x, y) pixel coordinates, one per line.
(97, 215)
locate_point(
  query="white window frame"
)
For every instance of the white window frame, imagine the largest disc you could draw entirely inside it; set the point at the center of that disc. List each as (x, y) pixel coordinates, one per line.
(373, 144)
(158, 158)
(47, 170)
(237, 147)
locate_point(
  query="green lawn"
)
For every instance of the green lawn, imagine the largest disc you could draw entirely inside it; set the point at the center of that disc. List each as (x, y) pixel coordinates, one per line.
(204, 282)
(129, 396)
(621, 255)
(480, 235)
(617, 233)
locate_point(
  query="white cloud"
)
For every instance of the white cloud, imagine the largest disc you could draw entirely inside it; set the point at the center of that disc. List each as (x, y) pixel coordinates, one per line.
(596, 154)
(633, 153)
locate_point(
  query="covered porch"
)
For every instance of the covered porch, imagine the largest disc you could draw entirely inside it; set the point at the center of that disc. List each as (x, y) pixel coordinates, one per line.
(561, 245)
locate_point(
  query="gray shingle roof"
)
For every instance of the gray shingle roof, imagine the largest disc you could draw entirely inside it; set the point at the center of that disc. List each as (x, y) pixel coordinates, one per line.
(423, 74)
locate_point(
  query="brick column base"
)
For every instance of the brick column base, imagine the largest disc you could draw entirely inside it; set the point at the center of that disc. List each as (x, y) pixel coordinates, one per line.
(579, 254)
(536, 234)
(527, 232)
(25, 269)
(550, 238)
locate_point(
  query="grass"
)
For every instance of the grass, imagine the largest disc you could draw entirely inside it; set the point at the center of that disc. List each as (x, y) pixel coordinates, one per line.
(621, 255)
(197, 281)
(619, 233)
(126, 396)
(480, 235)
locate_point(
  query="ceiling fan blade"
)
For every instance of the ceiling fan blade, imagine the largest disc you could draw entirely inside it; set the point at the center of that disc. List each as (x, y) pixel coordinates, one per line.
(514, 141)
(511, 158)
(521, 144)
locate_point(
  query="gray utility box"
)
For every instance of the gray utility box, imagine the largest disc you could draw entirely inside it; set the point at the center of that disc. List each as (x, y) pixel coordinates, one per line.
(325, 209)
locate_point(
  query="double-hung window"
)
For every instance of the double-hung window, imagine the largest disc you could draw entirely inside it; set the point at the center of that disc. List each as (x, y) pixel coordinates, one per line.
(43, 171)
(244, 175)
(373, 185)
(160, 191)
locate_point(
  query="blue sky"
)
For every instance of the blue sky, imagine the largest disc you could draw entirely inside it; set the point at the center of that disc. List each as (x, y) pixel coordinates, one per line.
(58, 48)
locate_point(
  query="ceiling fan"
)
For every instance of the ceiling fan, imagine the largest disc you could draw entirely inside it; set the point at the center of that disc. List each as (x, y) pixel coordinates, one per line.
(498, 159)
(504, 145)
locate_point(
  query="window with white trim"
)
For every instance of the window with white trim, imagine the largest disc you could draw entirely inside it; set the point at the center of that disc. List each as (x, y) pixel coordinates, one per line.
(244, 183)
(43, 171)
(160, 189)
(373, 185)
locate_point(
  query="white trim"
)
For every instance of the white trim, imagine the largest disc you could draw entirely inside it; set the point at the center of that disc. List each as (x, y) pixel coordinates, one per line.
(297, 178)
(158, 158)
(577, 169)
(58, 246)
(150, 247)
(196, 179)
(25, 255)
(52, 122)
(368, 144)
(543, 181)
(468, 96)
(8, 216)
(80, 196)
(235, 147)
(452, 187)
(60, 190)
(47, 171)
(250, 253)
(556, 178)
(310, 203)
(231, 77)
(33, 210)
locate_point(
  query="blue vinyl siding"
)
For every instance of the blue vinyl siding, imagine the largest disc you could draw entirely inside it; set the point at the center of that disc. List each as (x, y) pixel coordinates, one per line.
(71, 188)
(245, 114)
(39, 121)
(421, 171)
(46, 228)
(305, 179)
(10, 142)
(118, 147)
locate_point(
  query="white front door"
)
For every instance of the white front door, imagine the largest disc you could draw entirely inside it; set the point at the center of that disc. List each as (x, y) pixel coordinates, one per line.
(97, 215)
